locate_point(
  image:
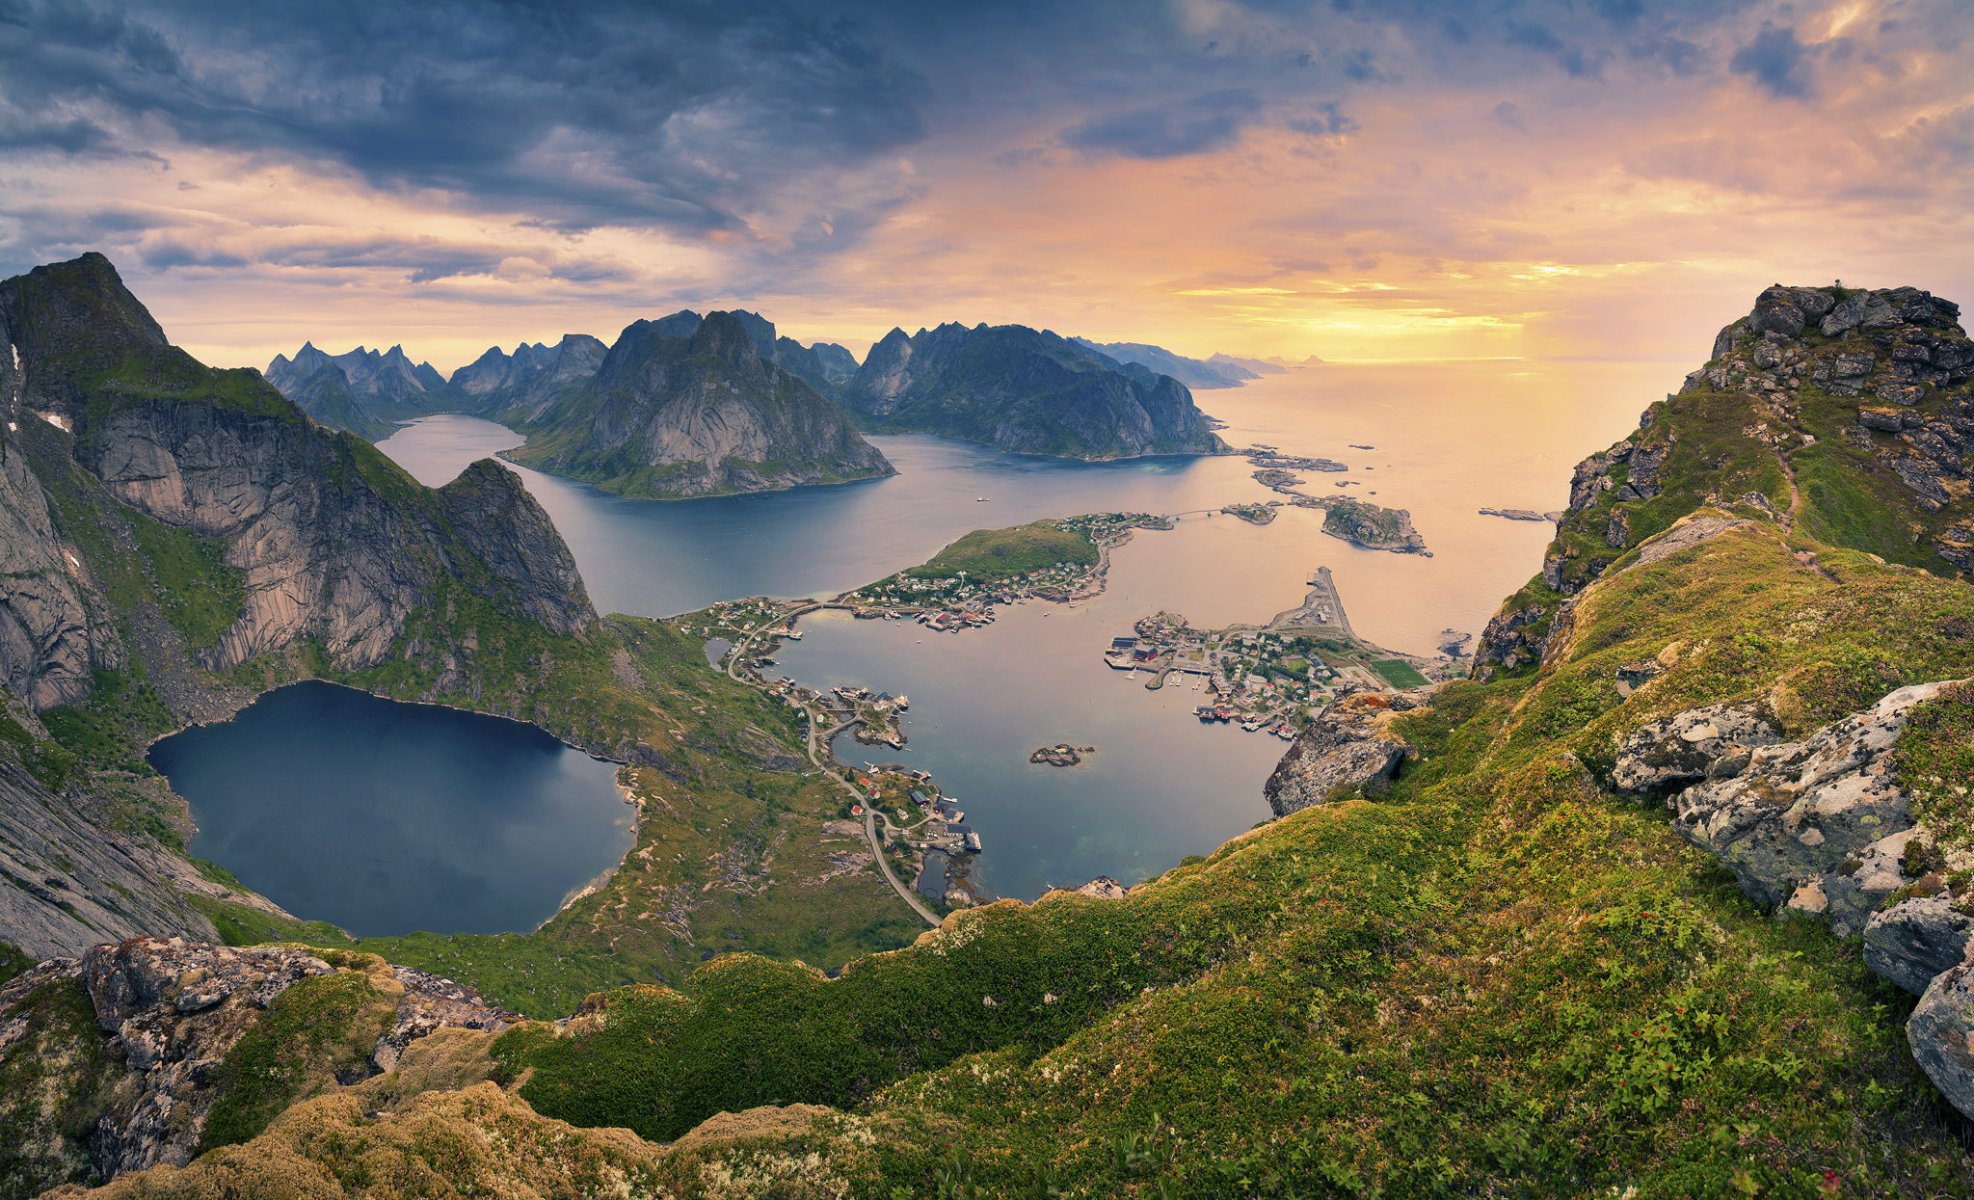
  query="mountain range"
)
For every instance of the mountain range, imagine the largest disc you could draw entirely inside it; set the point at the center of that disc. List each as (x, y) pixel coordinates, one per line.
(367, 392)
(648, 418)
(1219, 371)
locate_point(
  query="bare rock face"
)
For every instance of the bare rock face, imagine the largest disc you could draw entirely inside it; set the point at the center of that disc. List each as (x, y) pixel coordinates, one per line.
(1685, 748)
(48, 639)
(1818, 825)
(1348, 745)
(69, 882)
(336, 545)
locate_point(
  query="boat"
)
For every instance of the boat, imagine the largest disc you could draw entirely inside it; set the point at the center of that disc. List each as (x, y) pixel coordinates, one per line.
(980, 499)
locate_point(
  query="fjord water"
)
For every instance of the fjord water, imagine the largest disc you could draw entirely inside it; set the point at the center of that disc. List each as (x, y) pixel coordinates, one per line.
(1447, 439)
(386, 818)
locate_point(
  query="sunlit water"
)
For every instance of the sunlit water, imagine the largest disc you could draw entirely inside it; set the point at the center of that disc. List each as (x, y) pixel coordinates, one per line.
(1448, 438)
(387, 818)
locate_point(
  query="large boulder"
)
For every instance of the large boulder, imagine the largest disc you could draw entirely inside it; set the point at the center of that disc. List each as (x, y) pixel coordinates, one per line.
(1347, 747)
(1917, 939)
(1941, 1034)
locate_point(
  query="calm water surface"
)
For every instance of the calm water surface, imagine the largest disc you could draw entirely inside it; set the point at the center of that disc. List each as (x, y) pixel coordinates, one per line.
(1446, 438)
(387, 818)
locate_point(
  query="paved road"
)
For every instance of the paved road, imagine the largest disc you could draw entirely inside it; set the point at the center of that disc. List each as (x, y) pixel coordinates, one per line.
(816, 752)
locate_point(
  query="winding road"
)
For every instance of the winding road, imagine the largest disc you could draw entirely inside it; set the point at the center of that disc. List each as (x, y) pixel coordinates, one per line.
(816, 752)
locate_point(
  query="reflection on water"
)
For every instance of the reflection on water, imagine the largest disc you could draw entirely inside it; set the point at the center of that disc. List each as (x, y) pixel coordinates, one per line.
(1446, 440)
(387, 818)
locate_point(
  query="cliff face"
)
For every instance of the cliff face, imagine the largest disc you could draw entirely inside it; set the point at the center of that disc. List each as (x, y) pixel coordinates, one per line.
(1027, 391)
(333, 544)
(697, 415)
(366, 392)
(1844, 414)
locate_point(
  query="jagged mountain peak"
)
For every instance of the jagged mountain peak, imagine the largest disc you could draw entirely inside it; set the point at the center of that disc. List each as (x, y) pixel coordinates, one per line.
(1840, 414)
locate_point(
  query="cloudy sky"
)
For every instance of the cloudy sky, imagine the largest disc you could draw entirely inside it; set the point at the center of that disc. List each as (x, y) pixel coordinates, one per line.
(1357, 179)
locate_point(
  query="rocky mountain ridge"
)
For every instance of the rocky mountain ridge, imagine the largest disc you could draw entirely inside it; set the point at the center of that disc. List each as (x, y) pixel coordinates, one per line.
(367, 392)
(1027, 391)
(1847, 414)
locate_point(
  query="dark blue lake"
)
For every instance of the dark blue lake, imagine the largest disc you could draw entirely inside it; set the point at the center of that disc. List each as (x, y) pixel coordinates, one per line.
(386, 818)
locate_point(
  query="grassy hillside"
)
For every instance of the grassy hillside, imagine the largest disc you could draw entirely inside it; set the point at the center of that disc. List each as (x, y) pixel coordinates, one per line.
(989, 555)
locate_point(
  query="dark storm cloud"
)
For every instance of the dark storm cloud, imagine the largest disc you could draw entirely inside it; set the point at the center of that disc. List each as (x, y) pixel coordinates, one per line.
(1776, 60)
(599, 113)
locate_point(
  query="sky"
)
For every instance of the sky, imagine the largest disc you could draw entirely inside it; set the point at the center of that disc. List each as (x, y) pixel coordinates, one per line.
(1352, 179)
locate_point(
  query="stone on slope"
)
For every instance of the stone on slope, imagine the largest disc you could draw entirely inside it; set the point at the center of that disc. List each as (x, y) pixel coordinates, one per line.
(1348, 745)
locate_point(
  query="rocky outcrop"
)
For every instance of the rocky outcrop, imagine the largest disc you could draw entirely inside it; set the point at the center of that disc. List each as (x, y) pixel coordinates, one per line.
(173, 1012)
(1890, 372)
(700, 414)
(1823, 828)
(1684, 749)
(1819, 825)
(1941, 1034)
(1025, 390)
(1348, 746)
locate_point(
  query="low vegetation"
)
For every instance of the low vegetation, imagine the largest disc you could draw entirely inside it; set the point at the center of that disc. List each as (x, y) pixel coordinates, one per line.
(991, 555)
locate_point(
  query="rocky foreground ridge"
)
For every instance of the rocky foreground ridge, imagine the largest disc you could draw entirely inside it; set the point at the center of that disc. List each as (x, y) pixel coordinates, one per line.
(161, 1047)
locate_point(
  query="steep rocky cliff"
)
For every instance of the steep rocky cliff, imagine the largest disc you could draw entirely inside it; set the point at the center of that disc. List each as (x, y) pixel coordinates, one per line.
(697, 415)
(366, 392)
(333, 544)
(1843, 413)
(1024, 390)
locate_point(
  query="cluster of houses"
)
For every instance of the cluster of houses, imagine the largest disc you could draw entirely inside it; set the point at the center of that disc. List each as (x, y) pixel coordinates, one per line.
(1245, 671)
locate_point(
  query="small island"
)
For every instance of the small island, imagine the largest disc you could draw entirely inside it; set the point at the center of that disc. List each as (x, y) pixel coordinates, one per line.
(1373, 527)
(1253, 514)
(1521, 514)
(1061, 754)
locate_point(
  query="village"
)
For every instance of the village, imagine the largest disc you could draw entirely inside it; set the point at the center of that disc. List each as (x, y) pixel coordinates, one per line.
(1270, 679)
